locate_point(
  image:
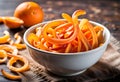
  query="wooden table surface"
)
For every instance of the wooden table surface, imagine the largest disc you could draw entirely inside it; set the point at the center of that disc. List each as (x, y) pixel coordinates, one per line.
(106, 12)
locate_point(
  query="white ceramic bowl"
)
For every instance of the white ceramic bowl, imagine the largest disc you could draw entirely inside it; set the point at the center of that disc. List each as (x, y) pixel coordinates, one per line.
(67, 64)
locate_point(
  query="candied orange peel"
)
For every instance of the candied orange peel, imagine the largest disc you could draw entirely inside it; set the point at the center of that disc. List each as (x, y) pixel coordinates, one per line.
(5, 38)
(3, 56)
(18, 43)
(15, 58)
(10, 76)
(9, 53)
(67, 36)
(9, 49)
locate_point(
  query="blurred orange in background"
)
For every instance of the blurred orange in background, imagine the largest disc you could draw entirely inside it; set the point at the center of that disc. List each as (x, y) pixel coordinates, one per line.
(30, 12)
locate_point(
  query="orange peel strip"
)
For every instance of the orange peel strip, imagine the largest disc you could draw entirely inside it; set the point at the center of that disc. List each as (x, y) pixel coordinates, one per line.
(81, 35)
(67, 17)
(88, 35)
(94, 35)
(84, 41)
(9, 48)
(76, 14)
(5, 38)
(10, 76)
(18, 38)
(42, 45)
(98, 28)
(79, 44)
(68, 48)
(32, 37)
(55, 40)
(52, 31)
(3, 55)
(100, 37)
(63, 26)
(20, 46)
(39, 31)
(15, 59)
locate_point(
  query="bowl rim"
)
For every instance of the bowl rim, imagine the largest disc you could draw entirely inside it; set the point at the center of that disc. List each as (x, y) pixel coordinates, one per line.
(107, 32)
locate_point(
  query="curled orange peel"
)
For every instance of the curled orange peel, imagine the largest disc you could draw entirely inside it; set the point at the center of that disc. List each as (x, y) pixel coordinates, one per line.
(75, 20)
(94, 35)
(5, 38)
(18, 41)
(76, 14)
(100, 37)
(66, 36)
(20, 46)
(3, 56)
(14, 59)
(10, 76)
(9, 48)
(55, 40)
(67, 17)
(18, 38)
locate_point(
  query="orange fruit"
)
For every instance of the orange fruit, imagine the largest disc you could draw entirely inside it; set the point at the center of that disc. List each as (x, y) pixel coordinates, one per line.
(12, 22)
(30, 12)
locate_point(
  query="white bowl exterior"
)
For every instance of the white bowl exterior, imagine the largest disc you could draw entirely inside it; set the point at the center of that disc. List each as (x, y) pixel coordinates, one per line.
(67, 64)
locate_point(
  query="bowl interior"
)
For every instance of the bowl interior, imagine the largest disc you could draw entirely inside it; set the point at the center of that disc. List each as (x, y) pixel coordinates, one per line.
(106, 34)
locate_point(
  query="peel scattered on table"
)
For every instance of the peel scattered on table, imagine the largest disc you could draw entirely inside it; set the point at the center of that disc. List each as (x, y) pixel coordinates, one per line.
(67, 36)
(10, 76)
(3, 56)
(12, 52)
(5, 38)
(15, 58)
(18, 38)
(9, 53)
(9, 49)
(20, 46)
(18, 42)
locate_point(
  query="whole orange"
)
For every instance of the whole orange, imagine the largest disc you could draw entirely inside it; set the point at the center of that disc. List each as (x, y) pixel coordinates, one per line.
(30, 12)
